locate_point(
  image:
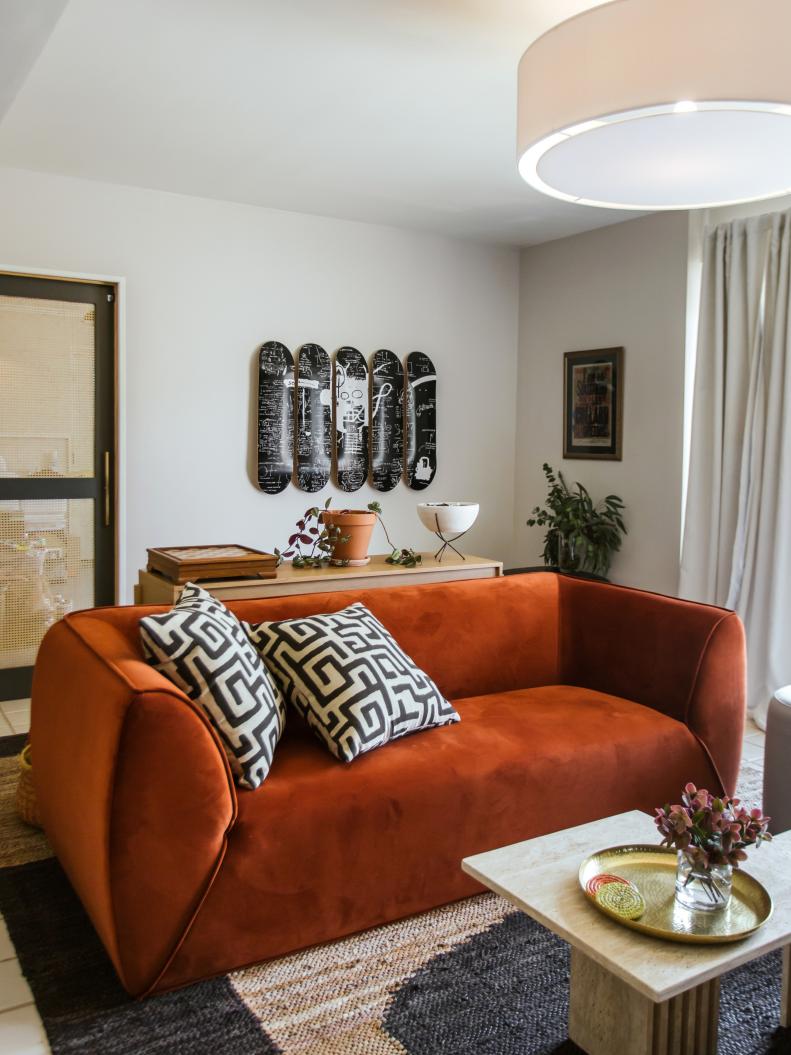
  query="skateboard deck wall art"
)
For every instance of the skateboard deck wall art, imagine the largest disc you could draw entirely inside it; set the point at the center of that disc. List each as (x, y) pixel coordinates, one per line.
(351, 419)
(275, 417)
(377, 423)
(314, 418)
(387, 420)
(421, 421)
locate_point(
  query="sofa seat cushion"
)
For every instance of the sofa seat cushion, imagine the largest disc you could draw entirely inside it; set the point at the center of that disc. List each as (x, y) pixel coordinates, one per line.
(384, 838)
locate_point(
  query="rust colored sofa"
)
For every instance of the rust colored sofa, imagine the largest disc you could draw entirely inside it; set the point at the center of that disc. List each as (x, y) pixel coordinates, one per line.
(577, 699)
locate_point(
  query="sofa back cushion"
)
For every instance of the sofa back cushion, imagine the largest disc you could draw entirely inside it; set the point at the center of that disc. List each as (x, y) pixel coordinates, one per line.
(472, 637)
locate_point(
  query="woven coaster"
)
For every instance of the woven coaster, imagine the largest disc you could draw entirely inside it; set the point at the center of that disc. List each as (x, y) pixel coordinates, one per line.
(622, 899)
(601, 880)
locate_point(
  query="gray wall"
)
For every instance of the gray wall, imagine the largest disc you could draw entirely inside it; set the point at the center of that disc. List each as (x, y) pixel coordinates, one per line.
(620, 285)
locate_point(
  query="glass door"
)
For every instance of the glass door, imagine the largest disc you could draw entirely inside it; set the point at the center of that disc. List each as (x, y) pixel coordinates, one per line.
(57, 461)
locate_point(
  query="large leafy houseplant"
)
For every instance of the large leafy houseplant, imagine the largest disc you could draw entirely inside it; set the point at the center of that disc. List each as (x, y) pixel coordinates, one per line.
(582, 534)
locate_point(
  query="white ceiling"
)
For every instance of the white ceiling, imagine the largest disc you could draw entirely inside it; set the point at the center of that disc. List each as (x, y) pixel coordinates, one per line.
(392, 111)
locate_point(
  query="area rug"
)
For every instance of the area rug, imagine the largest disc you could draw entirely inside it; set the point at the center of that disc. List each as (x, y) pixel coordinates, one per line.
(750, 786)
(473, 978)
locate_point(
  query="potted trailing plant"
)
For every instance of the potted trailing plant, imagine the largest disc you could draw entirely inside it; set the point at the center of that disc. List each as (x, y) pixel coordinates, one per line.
(325, 536)
(711, 835)
(312, 543)
(356, 527)
(582, 534)
(405, 557)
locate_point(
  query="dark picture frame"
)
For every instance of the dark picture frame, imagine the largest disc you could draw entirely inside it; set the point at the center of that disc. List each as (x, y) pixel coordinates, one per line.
(593, 404)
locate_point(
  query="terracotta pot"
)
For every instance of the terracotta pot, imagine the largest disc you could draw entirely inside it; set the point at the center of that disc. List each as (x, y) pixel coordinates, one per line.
(358, 524)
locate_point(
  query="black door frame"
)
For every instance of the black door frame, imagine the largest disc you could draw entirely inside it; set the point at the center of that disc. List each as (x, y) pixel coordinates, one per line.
(15, 682)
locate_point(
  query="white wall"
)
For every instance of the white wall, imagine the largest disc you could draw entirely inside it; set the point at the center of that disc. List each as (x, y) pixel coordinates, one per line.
(208, 281)
(620, 285)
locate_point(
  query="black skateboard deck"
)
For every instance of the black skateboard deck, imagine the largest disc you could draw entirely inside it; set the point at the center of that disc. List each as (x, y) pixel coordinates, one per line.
(421, 420)
(275, 417)
(387, 420)
(314, 418)
(351, 419)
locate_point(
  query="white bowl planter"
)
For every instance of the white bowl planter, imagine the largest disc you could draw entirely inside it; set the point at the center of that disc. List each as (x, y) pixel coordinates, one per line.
(448, 519)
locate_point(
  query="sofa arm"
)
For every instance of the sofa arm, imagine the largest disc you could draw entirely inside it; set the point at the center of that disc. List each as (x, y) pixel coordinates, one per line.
(135, 792)
(684, 659)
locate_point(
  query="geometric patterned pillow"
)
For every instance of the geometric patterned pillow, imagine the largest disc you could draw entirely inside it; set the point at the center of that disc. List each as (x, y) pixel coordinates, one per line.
(350, 680)
(201, 647)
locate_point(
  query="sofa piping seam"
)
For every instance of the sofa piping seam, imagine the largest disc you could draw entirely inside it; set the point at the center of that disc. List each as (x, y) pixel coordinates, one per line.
(68, 622)
(639, 589)
(193, 917)
(693, 687)
(710, 758)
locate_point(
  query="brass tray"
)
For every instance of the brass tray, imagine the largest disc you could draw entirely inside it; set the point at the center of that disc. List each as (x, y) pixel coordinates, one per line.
(653, 871)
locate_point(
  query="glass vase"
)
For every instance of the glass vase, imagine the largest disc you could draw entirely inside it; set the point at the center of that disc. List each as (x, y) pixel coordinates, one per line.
(702, 889)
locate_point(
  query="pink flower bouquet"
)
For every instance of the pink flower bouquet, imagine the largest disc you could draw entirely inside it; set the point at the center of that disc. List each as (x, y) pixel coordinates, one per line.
(711, 830)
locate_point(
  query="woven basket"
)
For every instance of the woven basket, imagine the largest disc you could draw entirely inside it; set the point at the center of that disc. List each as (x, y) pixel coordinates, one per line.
(26, 804)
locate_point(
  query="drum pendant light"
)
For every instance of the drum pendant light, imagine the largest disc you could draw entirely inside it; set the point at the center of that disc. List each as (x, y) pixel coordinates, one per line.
(659, 104)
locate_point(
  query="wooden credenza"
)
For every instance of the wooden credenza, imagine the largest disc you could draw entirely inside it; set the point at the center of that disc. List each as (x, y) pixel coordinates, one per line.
(152, 588)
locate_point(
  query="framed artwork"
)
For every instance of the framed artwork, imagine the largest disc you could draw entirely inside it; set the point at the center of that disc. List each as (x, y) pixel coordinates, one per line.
(593, 404)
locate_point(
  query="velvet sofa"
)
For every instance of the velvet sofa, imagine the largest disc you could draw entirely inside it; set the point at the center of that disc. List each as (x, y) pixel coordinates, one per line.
(577, 700)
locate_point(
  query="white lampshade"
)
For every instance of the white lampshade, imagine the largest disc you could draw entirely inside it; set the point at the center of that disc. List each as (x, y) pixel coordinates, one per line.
(660, 104)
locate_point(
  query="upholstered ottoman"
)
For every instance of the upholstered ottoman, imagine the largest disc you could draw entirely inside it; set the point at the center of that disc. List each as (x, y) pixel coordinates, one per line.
(777, 775)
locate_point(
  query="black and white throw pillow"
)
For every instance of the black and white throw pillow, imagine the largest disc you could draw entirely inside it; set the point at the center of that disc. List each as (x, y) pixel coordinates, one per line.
(350, 680)
(201, 647)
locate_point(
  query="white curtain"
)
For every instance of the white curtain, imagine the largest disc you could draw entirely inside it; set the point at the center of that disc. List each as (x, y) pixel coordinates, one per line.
(737, 533)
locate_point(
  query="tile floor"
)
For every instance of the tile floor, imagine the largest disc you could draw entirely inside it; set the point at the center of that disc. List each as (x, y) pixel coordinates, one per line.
(21, 1031)
(14, 718)
(753, 747)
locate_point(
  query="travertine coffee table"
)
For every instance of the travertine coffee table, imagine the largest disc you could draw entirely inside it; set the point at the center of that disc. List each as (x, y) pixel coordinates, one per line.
(632, 994)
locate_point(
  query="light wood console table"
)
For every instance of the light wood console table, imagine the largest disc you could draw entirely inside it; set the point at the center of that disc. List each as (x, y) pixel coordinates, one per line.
(152, 588)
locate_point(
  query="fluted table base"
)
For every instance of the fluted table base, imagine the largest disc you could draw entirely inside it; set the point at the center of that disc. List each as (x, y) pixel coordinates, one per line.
(608, 1017)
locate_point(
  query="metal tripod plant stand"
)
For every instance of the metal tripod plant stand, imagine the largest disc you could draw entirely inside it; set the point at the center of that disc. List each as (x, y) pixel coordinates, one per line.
(447, 543)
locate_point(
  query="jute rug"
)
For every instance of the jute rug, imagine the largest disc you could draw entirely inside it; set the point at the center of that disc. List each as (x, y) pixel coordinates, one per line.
(473, 978)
